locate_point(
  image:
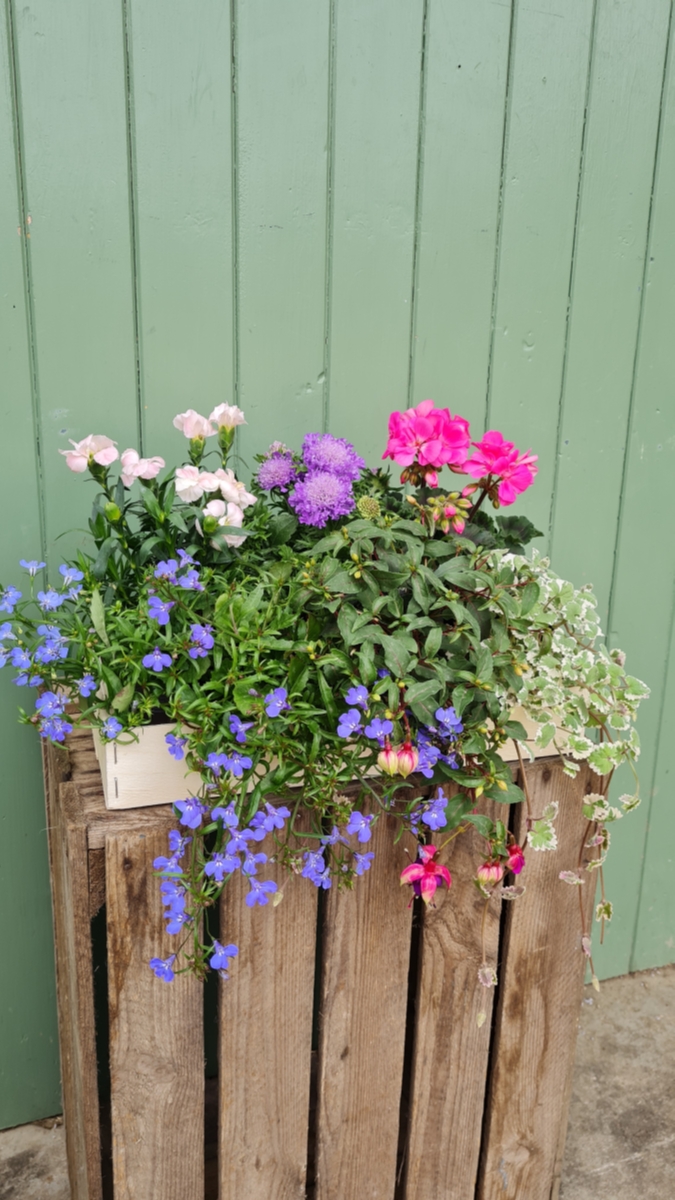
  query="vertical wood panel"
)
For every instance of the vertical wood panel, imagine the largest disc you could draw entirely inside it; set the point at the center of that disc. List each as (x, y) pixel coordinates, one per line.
(366, 952)
(622, 127)
(546, 115)
(540, 993)
(451, 1051)
(266, 1039)
(466, 73)
(156, 1036)
(377, 95)
(72, 75)
(180, 66)
(281, 64)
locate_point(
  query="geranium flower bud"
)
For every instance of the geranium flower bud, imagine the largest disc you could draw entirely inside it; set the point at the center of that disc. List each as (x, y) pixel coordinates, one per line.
(490, 872)
(408, 758)
(387, 761)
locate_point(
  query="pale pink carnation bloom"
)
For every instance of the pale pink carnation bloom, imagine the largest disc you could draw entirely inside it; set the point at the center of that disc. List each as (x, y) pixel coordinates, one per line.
(226, 416)
(430, 435)
(135, 467)
(208, 481)
(232, 490)
(193, 425)
(495, 456)
(227, 514)
(94, 448)
(188, 486)
(215, 508)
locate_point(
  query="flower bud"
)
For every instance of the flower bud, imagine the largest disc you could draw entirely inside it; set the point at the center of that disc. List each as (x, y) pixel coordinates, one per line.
(490, 872)
(210, 524)
(225, 439)
(197, 445)
(516, 859)
(408, 759)
(112, 511)
(387, 761)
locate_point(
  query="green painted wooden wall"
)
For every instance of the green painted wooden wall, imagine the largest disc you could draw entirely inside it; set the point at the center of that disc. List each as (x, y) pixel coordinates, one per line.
(326, 209)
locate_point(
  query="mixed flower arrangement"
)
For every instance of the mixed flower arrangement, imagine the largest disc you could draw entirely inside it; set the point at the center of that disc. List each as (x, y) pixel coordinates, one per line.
(326, 642)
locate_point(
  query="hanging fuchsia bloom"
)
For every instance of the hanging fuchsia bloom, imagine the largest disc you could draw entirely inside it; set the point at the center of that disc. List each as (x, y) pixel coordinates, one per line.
(407, 759)
(516, 859)
(431, 436)
(499, 458)
(424, 876)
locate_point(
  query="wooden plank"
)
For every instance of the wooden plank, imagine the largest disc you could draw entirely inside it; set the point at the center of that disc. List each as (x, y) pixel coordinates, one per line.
(541, 980)
(73, 94)
(74, 985)
(451, 1050)
(265, 1039)
(156, 1037)
(539, 192)
(364, 988)
(181, 120)
(466, 74)
(375, 143)
(281, 84)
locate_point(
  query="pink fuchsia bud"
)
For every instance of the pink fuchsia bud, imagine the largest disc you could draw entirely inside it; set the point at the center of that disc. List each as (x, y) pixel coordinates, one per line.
(93, 449)
(490, 872)
(387, 761)
(193, 425)
(516, 859)
(408, 758)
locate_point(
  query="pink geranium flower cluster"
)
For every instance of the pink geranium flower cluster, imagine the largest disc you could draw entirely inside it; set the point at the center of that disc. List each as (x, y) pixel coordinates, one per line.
(426, 438)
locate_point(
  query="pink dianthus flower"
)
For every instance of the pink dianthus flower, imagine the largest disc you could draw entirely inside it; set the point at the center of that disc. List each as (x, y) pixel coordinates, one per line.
(497, 457)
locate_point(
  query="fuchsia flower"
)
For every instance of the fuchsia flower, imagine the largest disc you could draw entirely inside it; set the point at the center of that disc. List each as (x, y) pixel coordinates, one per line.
(516, 859)
(408, 758)
(94, 448)
(497, 457)
(430, 435)
(425, 875)
(387, 760)
(490, 872)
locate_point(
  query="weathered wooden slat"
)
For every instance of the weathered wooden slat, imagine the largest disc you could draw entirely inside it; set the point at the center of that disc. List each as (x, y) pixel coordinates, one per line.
(156, 1037)
(366, 957)
(265, 1039)
(74, 985)
(541, 978)
(451, 1051)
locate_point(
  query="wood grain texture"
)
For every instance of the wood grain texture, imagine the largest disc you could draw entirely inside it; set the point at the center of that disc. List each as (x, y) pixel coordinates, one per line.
(265, 1039)
(365, 963)
(74, 984)
(540, 990)
(156, 1037)
(450, 1062)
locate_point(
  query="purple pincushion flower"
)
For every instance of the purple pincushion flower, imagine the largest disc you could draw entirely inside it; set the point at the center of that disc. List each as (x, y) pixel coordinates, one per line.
(323, 452)
(320, 497)
(277, 471)
(162, 967)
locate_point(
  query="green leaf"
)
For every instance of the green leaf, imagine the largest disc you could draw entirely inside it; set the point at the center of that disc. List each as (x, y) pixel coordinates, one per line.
(328, 698)
(282, 527)
(98, 616)
(367, 668)
(152, 505)
(461, 696)
(241, 693)
(512, 794)
(420, 590)
(529, 597)
(396, 655)
(424, 698)
(100, 565)
(147, 548)
(123, 699)
(340, 581)
(458, 574)
(483, 824)
(433, 641)
(514, 729)
(347, 617)
(484, 664)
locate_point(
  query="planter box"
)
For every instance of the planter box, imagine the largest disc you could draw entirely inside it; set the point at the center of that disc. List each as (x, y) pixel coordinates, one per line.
(143, 773)
(387, 1077)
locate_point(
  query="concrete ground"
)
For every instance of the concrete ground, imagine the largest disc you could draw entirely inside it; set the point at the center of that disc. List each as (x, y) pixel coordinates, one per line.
(621, 1139)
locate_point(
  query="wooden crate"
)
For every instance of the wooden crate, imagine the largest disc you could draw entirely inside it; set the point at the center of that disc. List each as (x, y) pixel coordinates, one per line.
(352, 1062)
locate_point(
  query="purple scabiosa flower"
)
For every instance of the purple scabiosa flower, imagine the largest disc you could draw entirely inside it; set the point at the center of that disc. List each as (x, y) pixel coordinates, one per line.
(190, 581)
(220, 958)
(227, 815)
(110, 728)
(6, 634)
(158, 610)
(162, 967)
(55, 728)
(50, 705)
(323, 452)
(156, 660)
(237, 763)
(315, 869)
(239, 727)
(9, 598)
(357, 696)
(252, 862)
(378, 730)
(320, 497)
(71, 575)
(277, 471)
(360, 825)
(176, 746)
(20, 658)
(260, 892)
(49, 600)
(215, 763)
(191, 812)
(349, 723)
(449, 722)
(166, 570)
(221, 864)
(276, 701)
(33, 566)
(363, 862)
(202, 637)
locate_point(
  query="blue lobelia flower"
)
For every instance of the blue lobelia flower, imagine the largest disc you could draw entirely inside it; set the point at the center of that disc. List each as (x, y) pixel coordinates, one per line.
(363, 862)
(202, 636)
(156, 660)
(49, 600)
(260, 892)
(220, 958)
(238, 843)
(178, 842)
(227, 815)
(215, 763)
(239, 727)
(26, 680)
(252, 862)
(176, 921)
(111, 728)
(70, 575)
(55, 728)
(332, 838)
(190, 581)
(357, 696)
(162, 967)
(378, 730)
(221, 864)
(50, 705)
(315, 869)
(428, 757)
(191, 812)
(349, 723)
(175, 746)
(86, 685)
(20, 658)
(450, 723)
(166, 570)
(9, 598)
(158, 610)
(276, 701)
(237, 763)
(186, 560)
(6, 634)
(172, 864)
(33, 566)
(272, 818)
(360, 825)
